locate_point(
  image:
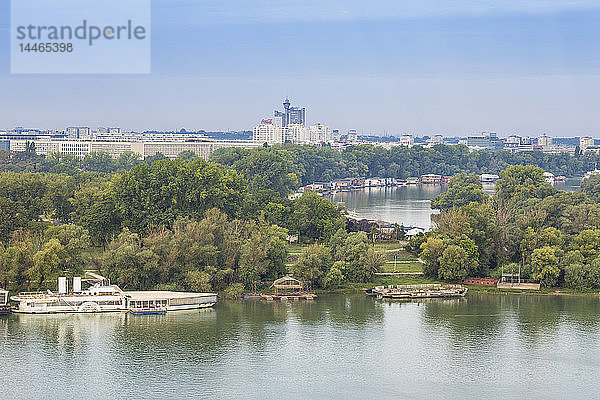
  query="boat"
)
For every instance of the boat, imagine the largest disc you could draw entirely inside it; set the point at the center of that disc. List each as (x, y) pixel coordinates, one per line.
(148, 311)
(409, 292)
(101, 296)
(4, 304)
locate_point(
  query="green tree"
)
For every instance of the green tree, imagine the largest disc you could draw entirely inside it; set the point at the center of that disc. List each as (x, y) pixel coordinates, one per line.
(544, 262)
(187, 155)
(462, 190)
(335, 277)
(458, 261)
(431, 251)
(46, 263)
(523, 181)
(360, 258)
(94, 209)
(591, 187)
(316, 218)
(74, 241)
(98, 161)
(313, 264)
(129, 264)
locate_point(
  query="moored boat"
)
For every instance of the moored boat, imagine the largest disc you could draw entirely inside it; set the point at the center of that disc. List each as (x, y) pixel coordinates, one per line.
(148, 311)
(408, 292)
(101, 296)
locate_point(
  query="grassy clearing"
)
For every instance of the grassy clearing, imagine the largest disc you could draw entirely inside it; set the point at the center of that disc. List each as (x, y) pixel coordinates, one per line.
(388, 246)
(415, 266)
(297, 248)
(400, 256)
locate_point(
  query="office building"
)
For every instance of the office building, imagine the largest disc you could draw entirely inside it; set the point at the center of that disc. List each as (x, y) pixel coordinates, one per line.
(79, 132)
(267, 132)
(585, 143)
(544, 141)
(80, 148)
(485, 140)
(407, 140)
(291, 115)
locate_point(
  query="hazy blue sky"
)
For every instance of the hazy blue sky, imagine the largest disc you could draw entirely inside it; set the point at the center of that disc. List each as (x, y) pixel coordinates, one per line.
(424, 67)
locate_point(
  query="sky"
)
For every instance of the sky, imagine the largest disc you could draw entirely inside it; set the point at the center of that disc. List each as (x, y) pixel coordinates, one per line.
(379, 66)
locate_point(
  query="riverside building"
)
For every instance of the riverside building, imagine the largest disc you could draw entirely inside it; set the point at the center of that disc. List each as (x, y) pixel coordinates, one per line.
(170, 149)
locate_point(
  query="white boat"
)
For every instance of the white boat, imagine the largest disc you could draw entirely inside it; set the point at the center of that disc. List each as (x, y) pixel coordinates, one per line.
(104, 297)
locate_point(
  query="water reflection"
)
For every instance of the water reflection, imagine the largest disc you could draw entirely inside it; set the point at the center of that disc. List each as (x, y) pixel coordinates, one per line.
(408, 205)
(335, 347)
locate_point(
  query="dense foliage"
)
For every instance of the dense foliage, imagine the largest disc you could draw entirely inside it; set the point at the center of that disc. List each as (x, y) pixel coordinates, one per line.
(552, 237)
(290, 165)
(172, 223)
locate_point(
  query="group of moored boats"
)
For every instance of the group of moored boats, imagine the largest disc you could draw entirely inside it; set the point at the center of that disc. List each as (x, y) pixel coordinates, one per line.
(408, 292)
(101, 296)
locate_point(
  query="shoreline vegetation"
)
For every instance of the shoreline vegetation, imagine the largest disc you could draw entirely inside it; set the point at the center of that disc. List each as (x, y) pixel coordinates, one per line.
(222, 226)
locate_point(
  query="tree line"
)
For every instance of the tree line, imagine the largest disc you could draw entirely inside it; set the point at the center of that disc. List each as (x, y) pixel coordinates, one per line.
(190, 225)
(284, 167)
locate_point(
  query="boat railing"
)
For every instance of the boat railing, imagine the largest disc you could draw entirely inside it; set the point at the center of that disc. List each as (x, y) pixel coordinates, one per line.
(32, 295)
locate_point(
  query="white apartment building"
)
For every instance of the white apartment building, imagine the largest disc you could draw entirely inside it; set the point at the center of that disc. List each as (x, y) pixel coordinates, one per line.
(407, 140)
(169, 149)
(320, 133)
(545, 141)
(585, 142)
(79, 132)
(297, 134)
(268, 133)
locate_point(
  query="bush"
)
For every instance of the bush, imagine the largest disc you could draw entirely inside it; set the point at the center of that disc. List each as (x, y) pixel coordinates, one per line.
(234, 291)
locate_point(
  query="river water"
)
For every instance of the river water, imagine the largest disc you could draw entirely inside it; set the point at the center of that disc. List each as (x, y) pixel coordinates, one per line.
(407, 205)
(337, 347)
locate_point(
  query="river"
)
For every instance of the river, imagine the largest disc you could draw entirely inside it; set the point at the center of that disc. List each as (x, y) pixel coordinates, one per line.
(407, 205)
(337, 347)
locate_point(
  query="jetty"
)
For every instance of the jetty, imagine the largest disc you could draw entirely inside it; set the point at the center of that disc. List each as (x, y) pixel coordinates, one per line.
(410, 292)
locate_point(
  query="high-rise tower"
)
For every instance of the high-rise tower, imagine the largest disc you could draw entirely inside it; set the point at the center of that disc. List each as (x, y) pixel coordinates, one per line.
(291, 115)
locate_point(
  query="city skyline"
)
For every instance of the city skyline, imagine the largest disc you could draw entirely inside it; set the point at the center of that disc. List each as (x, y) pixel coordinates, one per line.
(397, 67)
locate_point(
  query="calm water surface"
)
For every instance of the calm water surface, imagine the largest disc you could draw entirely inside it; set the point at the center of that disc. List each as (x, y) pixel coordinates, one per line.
(338, 347)
(408, 205)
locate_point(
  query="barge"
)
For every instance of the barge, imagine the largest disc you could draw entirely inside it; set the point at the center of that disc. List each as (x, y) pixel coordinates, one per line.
(409, 292)
(101, 296)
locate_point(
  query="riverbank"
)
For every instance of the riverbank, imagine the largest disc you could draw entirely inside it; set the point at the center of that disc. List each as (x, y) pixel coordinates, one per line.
(349, 288)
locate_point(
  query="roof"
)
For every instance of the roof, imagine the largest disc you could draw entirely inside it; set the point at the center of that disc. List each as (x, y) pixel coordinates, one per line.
(287, 282)
(163, 294)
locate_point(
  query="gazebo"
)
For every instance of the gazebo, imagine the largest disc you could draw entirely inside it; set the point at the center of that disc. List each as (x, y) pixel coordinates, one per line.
(287, 286)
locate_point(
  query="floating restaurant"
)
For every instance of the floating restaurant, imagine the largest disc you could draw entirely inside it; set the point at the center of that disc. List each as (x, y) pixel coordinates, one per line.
(101, 296)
